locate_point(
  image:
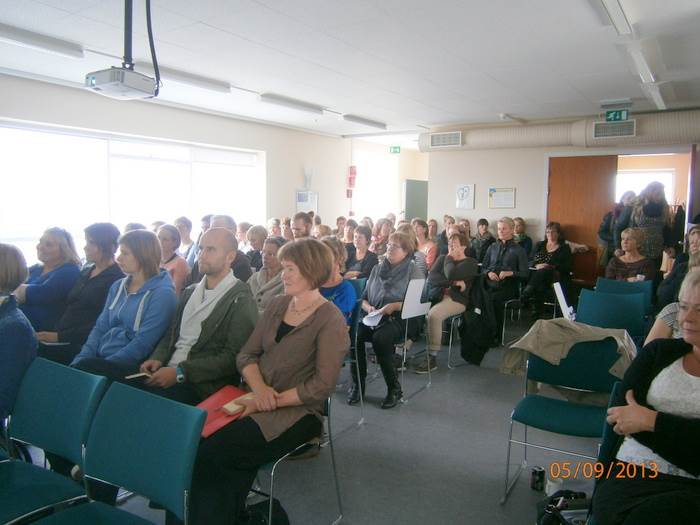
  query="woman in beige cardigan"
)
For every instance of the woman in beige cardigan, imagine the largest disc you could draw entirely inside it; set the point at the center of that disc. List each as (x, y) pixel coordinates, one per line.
(291, 363)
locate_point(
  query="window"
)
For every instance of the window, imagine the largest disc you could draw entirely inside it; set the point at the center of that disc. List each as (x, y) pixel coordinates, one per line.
(376, 186)
(71, 181)
(637, 180)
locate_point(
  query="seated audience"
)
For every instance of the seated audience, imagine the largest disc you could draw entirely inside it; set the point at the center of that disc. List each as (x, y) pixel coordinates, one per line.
(392, 219)
(425, 245)
(87, 298)
(631, 266)
(367, 221)
(551, 262)
(267, 283)
(316, 218)
(274, 227)
(433, 230)
(287, 233)
(170, 261)
(256, 238)
(466, 227)
(607, 228)
(318, 231)
(339, 230)
(184, 228)
(657, 416)
(666, 325)
(130, 226)
(17, 340)
(385, 292)
(205, 223)
(349, 237)
(301, 225)
(360, 264)
(418, 256)
(482, 240)
(43, 296)
(215, 317)
(521, 237)
(155, 226)
(505, 265)
(336, 289)
(137, 313)
(291, 363)
(241, 264)
(380, 236)
(450, 280)
(442, 241)
(242, 236)
(669, 287)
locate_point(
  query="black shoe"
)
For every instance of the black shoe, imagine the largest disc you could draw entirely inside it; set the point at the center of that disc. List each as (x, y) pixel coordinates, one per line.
(354, 395)
(392, 398)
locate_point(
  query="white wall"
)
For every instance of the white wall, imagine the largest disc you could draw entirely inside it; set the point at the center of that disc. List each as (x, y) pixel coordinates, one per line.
(289, 153)
(526, 169)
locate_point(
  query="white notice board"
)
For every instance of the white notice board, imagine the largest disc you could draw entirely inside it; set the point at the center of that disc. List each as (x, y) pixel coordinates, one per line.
(501, 197)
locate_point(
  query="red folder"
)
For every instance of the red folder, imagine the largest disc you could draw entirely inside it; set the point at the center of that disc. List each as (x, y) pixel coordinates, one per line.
(216, 417)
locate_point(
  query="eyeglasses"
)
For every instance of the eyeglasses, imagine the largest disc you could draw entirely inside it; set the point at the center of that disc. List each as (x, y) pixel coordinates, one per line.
(392, 246)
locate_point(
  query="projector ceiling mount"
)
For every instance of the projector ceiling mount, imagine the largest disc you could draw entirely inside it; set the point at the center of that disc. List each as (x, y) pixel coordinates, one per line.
(123, 83)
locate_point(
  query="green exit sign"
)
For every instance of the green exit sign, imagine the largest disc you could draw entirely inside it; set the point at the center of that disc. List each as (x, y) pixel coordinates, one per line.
(394, 149)
(616, 115)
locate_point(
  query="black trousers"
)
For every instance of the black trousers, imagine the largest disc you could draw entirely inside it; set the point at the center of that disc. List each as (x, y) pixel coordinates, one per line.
(506, 290)
(644, 501)
(110, 369)
(541, 281)
(383, 338)
(228, 461)
(62, 354)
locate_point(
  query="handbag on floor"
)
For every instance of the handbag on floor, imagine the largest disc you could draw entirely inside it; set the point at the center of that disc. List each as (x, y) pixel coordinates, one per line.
(564, 507)
(258, 513)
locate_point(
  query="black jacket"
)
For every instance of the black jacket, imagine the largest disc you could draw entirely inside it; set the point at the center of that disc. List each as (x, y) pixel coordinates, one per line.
(508, 256)
(480, 245)
(84, 304)
(445, 270)
(675, 438)
(669, 287)
(560, 258)
(368, 262)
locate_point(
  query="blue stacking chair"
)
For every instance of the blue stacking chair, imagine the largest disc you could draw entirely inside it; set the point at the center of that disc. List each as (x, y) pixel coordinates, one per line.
(271, 467)
(624, 287)
(359, 286)
(54, 409)
(608, 310)
(144, 443)
(585, 368)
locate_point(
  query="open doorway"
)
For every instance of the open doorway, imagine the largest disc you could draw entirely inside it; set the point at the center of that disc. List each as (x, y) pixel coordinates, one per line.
(635, 172)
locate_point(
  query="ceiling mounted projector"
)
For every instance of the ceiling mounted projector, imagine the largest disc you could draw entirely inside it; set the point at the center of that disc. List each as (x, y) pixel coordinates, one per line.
(121, 83)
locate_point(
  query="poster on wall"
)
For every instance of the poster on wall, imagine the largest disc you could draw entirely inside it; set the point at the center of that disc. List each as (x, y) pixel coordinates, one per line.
(307, 201)
(465, 197)
(501, 197)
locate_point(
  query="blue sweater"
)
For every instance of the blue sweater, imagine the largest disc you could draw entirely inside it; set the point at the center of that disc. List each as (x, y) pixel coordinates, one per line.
(343, 296)
(131, 325)
(47, 294)
(17, 350)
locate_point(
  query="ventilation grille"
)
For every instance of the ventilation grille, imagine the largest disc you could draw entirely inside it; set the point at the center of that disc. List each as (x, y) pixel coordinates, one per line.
(608, 130)
(450, 139)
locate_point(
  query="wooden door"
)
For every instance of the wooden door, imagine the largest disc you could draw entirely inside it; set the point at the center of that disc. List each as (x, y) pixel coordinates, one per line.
(581, 191)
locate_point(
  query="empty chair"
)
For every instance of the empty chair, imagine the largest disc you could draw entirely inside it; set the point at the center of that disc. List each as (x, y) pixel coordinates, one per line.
(144, 443)
(625, 287)
(607, 310)
(54, 409)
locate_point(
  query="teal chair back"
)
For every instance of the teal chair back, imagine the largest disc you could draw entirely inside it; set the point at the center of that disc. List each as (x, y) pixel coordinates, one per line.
(624, 287)
(611, 440)
(55, 407)
(145, 443)
(607, 310)
(586, 367)
(359, 286)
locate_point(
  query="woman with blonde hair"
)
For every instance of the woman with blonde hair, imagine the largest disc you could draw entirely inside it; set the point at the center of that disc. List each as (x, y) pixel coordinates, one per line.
(256, 238)
(138, 310)
(631, 265)
(17, 341)
(380, 236)
(669, 287)
(43, 295)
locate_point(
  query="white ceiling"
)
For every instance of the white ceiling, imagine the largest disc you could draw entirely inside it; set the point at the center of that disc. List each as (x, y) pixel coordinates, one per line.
(408, 63)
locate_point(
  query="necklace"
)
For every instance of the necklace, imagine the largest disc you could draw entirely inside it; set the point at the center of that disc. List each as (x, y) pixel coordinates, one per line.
(299, 311)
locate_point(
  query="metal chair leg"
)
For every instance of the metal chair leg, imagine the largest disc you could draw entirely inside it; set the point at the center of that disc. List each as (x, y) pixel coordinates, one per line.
(335, 474)
(450, 364)
(510, 483)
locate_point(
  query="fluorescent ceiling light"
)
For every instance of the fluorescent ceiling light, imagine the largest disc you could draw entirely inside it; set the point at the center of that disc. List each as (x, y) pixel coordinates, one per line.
(183, 77)
(335, 114)
(617, 17)
(643, 69)
(364, 121)
(654, 93)
(292, 103)
(48, 44)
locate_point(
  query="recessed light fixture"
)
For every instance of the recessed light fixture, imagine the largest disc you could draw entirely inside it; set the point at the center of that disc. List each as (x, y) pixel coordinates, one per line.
(287, 102)
(48, 44)
(617, 17)
(364, 121)
(654, 94)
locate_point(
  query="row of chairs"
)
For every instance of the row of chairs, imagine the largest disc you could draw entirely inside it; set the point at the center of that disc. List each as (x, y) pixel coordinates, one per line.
(116, 434)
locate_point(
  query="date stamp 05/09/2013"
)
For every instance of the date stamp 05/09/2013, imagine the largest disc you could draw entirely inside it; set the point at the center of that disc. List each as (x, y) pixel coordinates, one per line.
(598, 470)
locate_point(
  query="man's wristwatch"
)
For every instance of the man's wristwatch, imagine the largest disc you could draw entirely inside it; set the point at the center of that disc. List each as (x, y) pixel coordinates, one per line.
(179, 375)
